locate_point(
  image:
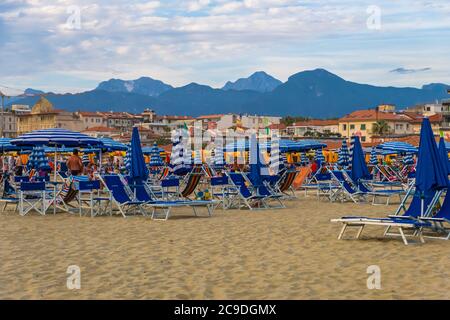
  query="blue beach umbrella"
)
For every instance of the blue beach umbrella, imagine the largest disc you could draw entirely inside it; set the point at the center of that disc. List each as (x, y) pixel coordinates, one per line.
(110, 145)
(155, 157)
(179, 154)
(56, 137)
(343, 157)
(444, 154)
(255, 163)
(139, 171)
(431, 174)
(359, 167)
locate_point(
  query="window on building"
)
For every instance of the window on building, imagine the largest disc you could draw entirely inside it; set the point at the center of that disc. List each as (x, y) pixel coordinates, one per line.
(344, 127)
(363, 127)
(352, 127)
(363, 138)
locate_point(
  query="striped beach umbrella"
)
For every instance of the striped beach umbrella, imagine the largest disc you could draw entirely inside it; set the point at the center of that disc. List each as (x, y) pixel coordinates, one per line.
(303, 158)
(319, 157)
(85, 159)
(373, 157)
(408, 159)
(179, 158)
(344, 156)
(219, 157)
(275, 163)
(127, 159)
(155, 157)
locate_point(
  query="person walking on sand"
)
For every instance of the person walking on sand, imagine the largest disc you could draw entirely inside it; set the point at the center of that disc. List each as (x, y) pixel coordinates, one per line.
(74, 164)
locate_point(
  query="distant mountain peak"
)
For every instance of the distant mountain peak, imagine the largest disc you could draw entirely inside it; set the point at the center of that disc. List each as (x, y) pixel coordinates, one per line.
(259, 81)
(144, 85)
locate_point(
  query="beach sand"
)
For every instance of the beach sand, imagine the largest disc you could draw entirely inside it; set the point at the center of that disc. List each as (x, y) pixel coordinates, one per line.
(277, 254)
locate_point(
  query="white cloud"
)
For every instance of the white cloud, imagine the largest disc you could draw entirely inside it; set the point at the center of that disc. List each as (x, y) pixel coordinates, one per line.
(211, 41)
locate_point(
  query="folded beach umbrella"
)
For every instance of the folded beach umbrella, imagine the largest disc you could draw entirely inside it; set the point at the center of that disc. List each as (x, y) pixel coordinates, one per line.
(343, 156)
(275, 163)
(85, 159)
(319, 157)
(444, 154)
(219, 158)
(198, 157)
(408, 159)
(139, 172)
(155, 157)
(359, 167)
(303, 158)
(255, 161)
(127, 159)
(373, 157)
(431, 173)
(179, 154)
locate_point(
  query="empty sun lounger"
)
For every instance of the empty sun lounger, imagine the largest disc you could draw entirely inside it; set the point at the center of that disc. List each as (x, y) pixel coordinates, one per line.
(409, 219)
(121, 197)
(161, 209)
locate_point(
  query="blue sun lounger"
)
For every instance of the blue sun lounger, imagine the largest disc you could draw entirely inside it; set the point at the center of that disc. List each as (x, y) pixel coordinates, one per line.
(244, 196)
(438, 221)
(120, 195)
(144, 194)
(409, 220)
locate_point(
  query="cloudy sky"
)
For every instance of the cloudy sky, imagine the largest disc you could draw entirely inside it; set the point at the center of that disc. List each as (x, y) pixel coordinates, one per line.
(71, 45)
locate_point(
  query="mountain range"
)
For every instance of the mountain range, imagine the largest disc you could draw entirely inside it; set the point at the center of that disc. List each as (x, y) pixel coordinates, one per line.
(314, 93)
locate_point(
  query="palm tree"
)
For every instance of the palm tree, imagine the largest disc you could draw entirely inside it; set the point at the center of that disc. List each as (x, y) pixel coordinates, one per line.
(380, 128)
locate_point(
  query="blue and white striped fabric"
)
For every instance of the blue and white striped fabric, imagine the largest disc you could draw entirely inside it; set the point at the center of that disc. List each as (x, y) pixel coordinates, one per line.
(373, 157)
(219, 158)
(284, 145)
(155, 157)
(398, 146)
(408, 159)
(344, 156)
(319, 156)
(112, 145)
(85, 159)
(180, 158)
(352, 143)
(55, 137)
(198, 157)
(303, 158)
(38, 160)
(127, 159)
(275, 163)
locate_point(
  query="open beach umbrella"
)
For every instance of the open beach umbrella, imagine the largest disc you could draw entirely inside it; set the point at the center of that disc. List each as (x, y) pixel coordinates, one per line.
(359, 167)
(398, 147)
(444, 154)
(110, 145)
(431, 174)
(7, 146)
(373, 157)
(139, 171)
(343, 157)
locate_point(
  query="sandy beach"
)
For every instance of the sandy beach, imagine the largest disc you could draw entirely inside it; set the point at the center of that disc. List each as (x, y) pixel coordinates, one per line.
(278, 254)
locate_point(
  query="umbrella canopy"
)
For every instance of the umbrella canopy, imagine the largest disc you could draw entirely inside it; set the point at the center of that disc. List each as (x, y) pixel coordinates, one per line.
(444, 154)
(139, 171)
(56, 137)
(359, 167)
(398, 147)
(373, 157)
(155, 156)
(7, 146)
(344, 156)
(284, 145)
(431, 174)
(111, 145)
